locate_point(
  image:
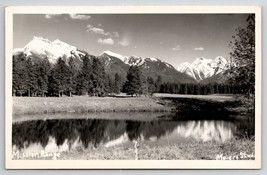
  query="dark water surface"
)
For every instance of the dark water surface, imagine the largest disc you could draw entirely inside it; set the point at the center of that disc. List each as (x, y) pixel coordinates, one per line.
(89, 133)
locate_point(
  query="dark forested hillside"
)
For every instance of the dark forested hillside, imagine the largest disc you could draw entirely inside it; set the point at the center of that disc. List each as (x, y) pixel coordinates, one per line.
(105, 75)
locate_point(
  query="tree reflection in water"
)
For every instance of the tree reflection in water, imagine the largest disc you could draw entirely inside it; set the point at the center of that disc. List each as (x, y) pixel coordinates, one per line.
(92, 132)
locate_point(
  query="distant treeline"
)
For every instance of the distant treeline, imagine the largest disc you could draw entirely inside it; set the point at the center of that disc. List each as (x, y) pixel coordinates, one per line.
(40, 78)
(200, 89)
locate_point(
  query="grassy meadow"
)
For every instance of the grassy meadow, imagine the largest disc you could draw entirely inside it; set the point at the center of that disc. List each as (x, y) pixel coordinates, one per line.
(121, 103)
(82, 104)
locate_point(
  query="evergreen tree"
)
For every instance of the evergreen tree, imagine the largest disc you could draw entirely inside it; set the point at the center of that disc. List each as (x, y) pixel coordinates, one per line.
(144, 86)
(151, 86)
(110, 85)
(43, 72)
(31, 70)
(133, 84)
(185, 89)
(19, 75)
(118, 83)
(98, 78)
(158, 83)
(243, 57)
(59, 78)
(15, 75)
(71, 88)
(84, 84)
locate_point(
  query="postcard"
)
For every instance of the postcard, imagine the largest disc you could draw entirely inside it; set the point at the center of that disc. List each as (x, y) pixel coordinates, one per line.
(133, 87)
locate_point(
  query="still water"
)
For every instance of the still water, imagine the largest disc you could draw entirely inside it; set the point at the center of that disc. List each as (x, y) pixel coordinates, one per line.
(57, 135)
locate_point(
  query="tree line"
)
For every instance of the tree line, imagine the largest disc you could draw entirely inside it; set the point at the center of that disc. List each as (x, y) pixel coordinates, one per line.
(40, 78)
(200, 89)
(136, 84)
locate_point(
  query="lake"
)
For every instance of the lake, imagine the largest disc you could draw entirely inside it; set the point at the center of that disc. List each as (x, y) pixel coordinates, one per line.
(110, 130)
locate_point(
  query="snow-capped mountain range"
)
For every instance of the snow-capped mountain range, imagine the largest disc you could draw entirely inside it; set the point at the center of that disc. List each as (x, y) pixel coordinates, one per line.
(40, 47)
(203, 68)
(151, 67)
(133, 60)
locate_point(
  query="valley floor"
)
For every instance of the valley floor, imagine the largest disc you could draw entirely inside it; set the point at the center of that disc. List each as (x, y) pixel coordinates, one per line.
(188, 106)
(120, 103)
(82, 104)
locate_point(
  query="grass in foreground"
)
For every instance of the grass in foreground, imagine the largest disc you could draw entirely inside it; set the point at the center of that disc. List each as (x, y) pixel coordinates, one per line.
(37, 105)
(123, 103)
(180, 151)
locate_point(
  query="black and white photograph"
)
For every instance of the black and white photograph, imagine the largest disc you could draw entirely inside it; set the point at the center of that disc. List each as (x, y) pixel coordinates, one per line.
(133, 87)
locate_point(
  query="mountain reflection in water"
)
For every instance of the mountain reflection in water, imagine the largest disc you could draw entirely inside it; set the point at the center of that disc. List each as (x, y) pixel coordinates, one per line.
(64, 134)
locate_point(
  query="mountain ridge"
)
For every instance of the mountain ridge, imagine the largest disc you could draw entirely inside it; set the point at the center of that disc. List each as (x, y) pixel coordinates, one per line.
(151, 67)
(40, 48)
(203, 68)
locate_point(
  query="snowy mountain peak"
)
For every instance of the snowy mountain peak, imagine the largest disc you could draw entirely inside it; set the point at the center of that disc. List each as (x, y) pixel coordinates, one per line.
(153, 59)
(203, 68)
(109, 53)
(202, 60)
(135, 61)
(40, 39)
(132, 61)
(41, 48)
(17, 51)
(221, 60)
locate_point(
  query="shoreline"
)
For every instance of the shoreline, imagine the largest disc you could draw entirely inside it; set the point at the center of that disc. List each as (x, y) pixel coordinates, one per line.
(131, 116)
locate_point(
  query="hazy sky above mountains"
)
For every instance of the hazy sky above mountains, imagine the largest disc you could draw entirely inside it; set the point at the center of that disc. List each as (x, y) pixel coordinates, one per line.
(171, 38)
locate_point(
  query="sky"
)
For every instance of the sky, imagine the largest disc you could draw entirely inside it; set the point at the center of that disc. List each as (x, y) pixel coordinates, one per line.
(173, 38)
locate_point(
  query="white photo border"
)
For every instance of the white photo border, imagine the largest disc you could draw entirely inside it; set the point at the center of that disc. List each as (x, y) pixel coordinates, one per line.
(129, 164)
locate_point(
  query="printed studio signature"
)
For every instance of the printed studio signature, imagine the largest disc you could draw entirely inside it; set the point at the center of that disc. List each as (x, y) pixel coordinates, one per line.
(240, 156)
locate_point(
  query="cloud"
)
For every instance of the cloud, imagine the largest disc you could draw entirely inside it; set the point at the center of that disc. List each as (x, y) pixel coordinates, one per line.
(107, 41)
(49, 16)
(176, 48)
(123, 43)
(199, 48)
(101, 31)
(72, 16)
(79, 17)
(115, 34)
(95, 30)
